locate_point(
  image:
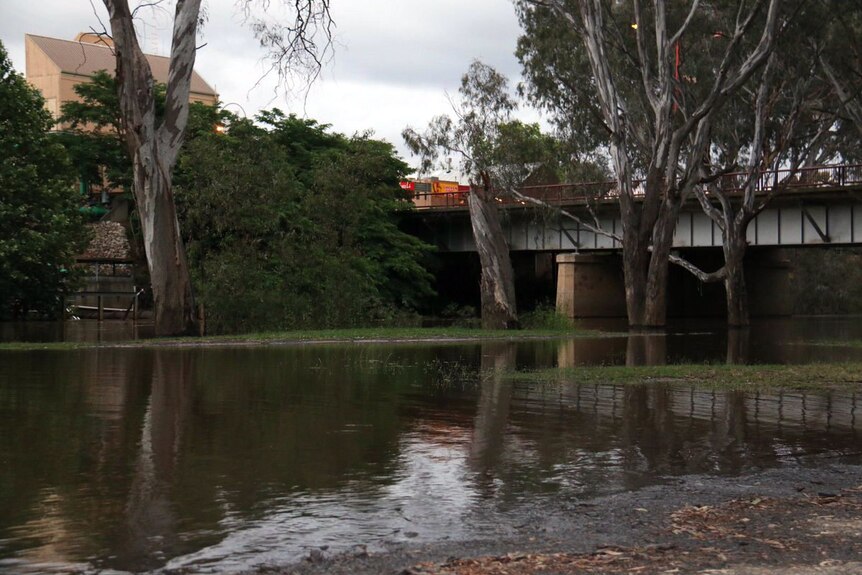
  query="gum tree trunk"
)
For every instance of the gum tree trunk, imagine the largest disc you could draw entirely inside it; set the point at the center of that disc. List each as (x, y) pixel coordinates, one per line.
(655, 314)
(498, 280)
(679, 132)
(635, 279)
(154, 146)
(734, 281)
(166, 258)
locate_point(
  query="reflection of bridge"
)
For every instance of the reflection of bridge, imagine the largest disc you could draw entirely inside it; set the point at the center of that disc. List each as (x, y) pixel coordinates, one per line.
(818, 206)
(799, 411)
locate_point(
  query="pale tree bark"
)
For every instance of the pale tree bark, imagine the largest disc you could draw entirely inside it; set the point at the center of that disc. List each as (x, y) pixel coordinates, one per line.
(474, 136)
(153, 144)
(153, 147)
(677, 140)
(497, 285)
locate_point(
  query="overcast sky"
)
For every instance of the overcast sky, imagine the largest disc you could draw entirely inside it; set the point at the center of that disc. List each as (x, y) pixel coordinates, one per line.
(393, 61)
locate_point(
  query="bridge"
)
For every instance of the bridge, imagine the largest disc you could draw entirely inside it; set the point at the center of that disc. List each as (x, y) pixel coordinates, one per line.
(818, 206)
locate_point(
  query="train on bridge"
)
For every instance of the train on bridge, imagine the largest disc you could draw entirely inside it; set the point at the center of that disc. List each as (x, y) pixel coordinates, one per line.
(436, 193)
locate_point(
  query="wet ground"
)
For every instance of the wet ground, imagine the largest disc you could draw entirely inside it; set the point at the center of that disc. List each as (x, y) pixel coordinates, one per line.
(771, 522)
(380, 458)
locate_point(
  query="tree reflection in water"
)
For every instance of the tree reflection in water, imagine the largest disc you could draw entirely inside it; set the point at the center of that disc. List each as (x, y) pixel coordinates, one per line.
(152, 529)
(492, 412)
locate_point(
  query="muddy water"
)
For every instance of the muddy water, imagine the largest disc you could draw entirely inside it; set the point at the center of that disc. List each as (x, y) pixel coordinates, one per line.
(230, 458)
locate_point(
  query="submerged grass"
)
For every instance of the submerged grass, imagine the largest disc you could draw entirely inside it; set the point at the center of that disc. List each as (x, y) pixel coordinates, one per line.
(743, 377)
(836, 343)
(357, 335)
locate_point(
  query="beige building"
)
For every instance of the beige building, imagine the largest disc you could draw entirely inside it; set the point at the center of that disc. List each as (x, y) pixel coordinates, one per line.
(56, 66)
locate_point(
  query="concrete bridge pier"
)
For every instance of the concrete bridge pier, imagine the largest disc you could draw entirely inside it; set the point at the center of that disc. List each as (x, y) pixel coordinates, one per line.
(590, 285)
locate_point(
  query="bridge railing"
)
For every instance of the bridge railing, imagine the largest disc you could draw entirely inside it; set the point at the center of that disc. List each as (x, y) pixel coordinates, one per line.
(818, 178)
(809, 179)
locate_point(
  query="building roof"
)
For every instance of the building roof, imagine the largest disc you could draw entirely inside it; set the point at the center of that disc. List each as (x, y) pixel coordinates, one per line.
(85, 59)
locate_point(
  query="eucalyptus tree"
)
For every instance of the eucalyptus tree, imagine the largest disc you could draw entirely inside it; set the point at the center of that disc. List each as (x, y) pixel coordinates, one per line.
(154, 143)
(786, 120)
(475, 137)
(840, 56)
(776, 128)
(620, 70)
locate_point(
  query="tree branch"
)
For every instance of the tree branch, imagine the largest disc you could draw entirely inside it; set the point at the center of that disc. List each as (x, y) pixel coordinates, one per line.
(703, 276)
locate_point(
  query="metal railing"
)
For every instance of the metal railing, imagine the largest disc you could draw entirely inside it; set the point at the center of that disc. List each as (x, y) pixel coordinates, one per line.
(813, 179)
(100, 308)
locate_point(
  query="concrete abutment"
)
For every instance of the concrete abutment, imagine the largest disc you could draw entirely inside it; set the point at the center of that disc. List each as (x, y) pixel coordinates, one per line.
(591, 285)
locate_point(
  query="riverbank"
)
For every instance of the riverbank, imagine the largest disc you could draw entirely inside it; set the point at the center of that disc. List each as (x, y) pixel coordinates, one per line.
(707, 376)
(788, 520)
(311, 337)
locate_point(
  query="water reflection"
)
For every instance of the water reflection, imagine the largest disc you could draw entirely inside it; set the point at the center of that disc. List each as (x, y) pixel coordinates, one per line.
(82, 331)
(769, 341)
(151, 520)
(492, 413)
(230, 458)
(646, 349)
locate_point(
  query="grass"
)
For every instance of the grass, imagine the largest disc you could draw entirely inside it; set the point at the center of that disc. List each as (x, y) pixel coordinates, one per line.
(837, 343)
(743, 377)
(369, 335)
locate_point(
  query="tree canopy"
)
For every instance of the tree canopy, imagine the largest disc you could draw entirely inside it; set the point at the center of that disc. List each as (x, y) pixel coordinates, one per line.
(40, 228)
(91, 131)
(289, 225)
(286, 223)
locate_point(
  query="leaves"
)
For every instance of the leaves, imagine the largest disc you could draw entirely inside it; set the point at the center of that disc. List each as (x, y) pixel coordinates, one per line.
(290, 225)
(40, 228)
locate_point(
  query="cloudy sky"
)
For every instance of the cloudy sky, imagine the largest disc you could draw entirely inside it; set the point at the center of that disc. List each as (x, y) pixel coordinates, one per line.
(393, 60)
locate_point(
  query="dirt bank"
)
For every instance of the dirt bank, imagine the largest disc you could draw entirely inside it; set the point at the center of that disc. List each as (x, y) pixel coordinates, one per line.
(790, 520)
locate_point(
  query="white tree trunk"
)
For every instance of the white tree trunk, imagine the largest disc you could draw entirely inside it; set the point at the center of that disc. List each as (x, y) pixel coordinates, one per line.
(498, 280)
(154, 147)
(676, 141)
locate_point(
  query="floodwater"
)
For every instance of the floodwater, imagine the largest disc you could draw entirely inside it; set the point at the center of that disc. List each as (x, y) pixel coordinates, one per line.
(224, 459)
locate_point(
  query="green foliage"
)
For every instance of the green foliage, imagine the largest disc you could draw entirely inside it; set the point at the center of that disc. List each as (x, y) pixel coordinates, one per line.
(827, 281)
(40, 228)
(545, 316)
(92, 130)
(838, 36)
(559, 78)
(481, 136)
(92, 135)
(707, 376)
(289, 225)
(490, 147)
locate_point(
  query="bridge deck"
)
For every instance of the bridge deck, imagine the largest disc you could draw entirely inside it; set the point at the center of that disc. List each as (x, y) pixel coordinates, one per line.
(817, 206)
(804, 182)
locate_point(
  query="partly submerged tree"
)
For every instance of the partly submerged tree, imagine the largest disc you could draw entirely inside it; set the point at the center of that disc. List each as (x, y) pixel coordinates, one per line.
(475, 137)
(40, 227)
(776, 128)
(657, 119)
(154, 143)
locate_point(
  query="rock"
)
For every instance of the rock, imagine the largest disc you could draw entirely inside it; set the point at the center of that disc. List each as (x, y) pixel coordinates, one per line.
(109, 242)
